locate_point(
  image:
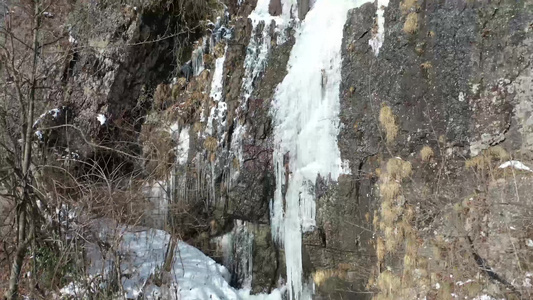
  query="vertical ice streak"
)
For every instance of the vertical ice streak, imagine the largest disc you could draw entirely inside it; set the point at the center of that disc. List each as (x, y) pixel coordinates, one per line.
(198, 61)
(237, 251)
(379, 36)
(257, 54)
(305, 109)
(217, 90)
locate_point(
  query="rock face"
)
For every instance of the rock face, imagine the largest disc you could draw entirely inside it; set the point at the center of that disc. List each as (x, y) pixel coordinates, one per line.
(455, 76)
(425, 126)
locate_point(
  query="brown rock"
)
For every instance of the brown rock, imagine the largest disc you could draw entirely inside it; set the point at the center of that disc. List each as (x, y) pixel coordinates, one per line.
(274, 8)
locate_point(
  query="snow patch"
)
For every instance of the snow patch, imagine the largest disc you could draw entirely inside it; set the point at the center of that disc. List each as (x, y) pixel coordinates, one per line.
(485, 297)
(516, 165)
(102, 119)
(192, 274)
(461, 283)
(53, 112)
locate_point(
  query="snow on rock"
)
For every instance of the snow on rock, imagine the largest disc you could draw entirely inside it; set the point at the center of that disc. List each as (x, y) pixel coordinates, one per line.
(142, 253)
(379, 37)
(53, 112)
(516, 165)
(485, 297)
(102, 119)
(305, 108)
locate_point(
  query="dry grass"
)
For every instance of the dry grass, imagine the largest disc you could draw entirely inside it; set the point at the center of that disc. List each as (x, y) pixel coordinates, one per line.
(236, 164)
(426, 153)
(397, 234)
(498, 153)
(181, 83)
(198, 127)
(380, 249)
(407, 5)
(210, 144)
(411, 23)
(487, 158)
(389, 190)
(398, 169)
(388, 123)
(426, 66)
(321, 276)
(158, 149)
(219, 50)
(389, 285)
(162, 96)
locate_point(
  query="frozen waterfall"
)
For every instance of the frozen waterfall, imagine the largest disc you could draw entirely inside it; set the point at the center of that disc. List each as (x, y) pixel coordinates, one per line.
(305, 109)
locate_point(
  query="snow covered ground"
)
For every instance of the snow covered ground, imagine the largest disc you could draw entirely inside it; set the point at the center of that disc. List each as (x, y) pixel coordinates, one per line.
(142, 252)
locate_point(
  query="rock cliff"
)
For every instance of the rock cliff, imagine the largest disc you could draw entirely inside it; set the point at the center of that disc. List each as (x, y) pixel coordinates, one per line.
(434, 135)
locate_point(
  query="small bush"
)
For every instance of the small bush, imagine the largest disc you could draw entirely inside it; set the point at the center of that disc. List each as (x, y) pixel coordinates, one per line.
(158, 149)
(389, 284)
(210, 144)
(380, 249)
(219, 50)
(426, 66)
(162, 96)
(411, 23)
(407, 5)
(389, 190)
(487, 157)
(398, 169)
(388, 123)
(426, 153)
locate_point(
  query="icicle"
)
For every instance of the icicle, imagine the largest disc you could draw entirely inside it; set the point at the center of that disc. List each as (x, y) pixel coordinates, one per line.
(217, 94)
(197, 61)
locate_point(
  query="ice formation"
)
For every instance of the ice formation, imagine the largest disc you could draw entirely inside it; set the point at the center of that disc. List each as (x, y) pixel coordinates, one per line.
(306, 111)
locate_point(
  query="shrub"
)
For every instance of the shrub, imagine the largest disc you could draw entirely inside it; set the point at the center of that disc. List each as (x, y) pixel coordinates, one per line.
(407, 5)
(426, 153)
(210, 144)
(162, 96)
(398, 169)
(426, 66)
(487, 157)
(411, 23)
(388, 123)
